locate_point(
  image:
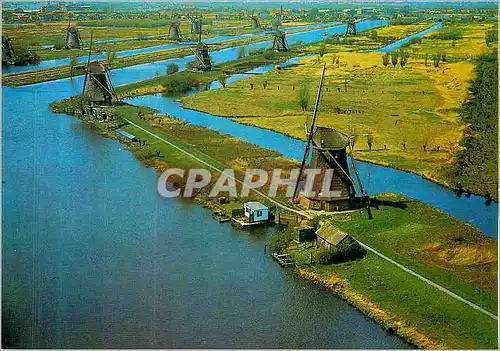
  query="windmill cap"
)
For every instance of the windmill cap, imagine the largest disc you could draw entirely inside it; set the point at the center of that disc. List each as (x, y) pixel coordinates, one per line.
(329, 138)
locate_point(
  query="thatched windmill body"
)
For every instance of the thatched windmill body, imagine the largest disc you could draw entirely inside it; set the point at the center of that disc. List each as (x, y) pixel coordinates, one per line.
(255, 21)
(174, 31)
(279, 38)
(329, 152)
(195, 25)
(202, 61)
(351, 26)
(97, 86)
(73, 39)
(7, 51)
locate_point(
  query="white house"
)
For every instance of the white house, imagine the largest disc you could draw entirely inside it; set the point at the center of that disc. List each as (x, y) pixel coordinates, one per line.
(256, 212)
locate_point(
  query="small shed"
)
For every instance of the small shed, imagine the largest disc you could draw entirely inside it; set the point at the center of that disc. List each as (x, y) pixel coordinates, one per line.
(328, 236)
(124, 135)
(304, 233)
(256, 212)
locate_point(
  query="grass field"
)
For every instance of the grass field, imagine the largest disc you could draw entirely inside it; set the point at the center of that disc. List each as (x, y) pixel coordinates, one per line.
(397, 106)
(445, 250)
(470, 43)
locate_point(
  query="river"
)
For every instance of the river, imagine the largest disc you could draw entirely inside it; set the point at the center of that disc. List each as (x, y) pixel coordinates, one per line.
(93, 257)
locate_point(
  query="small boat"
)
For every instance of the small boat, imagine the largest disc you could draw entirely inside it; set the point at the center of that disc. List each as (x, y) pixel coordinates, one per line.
(325, 34)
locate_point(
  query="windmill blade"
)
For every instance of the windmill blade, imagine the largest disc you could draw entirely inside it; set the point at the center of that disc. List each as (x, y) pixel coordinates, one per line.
(366, 198)
(88, 63)
(311, 133)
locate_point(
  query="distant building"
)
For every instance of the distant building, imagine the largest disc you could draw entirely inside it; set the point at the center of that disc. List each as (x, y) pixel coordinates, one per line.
(256, 212)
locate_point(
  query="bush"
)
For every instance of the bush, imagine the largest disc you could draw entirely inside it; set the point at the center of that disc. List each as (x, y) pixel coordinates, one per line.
(22, 57)
(304, 97)
(447, 33)
(373, 35)
(385, 59)
(255, 52)
(270, 55)
(242, 52)
(281, 240)
(491, 36)
(178, 83)
(172, 68)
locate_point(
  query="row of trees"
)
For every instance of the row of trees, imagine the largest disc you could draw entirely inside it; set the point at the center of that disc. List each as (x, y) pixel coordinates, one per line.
(395, 57)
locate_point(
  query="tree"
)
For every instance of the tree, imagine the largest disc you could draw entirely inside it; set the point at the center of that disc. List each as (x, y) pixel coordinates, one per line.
(110, 57)
(72, 64)
(334, 57)
(172, 68)
(373, 35)
(385, 59)
(443, 57)
(394, 58)
(403, 142)
(338, 61)
(264, 84)
(304, 97)
(369, 140)
(404, 58)
(223, 80)
(436, 59)
(426, 58)
(321, 51)
(242, 52)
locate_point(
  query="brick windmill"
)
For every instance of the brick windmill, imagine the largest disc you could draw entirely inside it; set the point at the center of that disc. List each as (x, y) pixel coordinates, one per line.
(73, 40)
(329, 154)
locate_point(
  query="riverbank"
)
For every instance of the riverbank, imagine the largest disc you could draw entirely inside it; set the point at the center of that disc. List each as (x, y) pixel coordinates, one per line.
(451, 253)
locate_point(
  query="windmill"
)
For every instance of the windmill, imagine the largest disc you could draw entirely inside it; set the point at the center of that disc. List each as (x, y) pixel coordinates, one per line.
(97, 86)
(255, 21)
(73, 40)
(195, 24)
(277, 19)
(7, 50)
(279, 38)
(174, 31)
(202, 61)
(351, 26)
(329, 152)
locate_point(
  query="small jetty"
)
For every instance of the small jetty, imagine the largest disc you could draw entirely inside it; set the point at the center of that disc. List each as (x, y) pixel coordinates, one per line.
(220, 217)
(283, 259)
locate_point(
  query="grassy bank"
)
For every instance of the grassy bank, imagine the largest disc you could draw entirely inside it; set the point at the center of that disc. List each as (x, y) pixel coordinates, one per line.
(447, 251)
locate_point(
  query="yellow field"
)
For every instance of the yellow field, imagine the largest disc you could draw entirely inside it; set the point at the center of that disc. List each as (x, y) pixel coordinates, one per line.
(401, 31)
(471, 44)
(415, 106)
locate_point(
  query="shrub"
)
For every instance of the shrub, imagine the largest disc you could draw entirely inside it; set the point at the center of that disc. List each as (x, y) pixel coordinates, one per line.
(281, 240)
(269, 55)
(385, 59)
(447, 33)
(178, 83)
(22, 56)
(304, 96)
(255, 52)
(404, 58)
(373, 35)
(242, 52)
(394, 58)
(491, 36)
(172, 68)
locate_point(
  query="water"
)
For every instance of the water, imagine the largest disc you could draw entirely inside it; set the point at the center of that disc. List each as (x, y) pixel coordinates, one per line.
(215, 40)
(94, 258)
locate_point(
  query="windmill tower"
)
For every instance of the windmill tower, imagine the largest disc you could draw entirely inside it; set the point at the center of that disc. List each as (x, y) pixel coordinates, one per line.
(202, 61)
(7, 51)
(278, 19)
(73, 40)
(329, 154)
(174, 32)
(351, 27)
(97, 86)
(196, 25)
(279, 41)
(255, 21)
